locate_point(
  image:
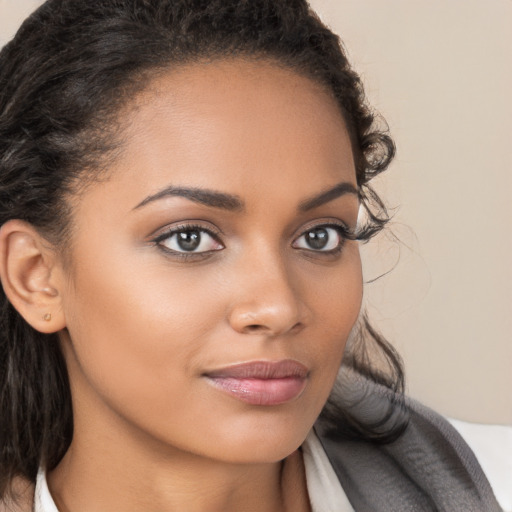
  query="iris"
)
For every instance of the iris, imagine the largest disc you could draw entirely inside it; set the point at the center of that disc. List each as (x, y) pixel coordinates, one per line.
(317, 238)
(189, 240)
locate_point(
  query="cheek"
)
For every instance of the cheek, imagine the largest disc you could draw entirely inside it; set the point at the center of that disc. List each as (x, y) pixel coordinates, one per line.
(341, 307)
(138, 355)
(336, 296)
(133, 332)
(335, 300)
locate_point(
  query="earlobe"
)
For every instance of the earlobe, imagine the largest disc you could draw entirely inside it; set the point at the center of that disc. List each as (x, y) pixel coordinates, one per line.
(27, 271)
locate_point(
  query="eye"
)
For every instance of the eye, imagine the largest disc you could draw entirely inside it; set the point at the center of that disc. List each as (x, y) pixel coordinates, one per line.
(321, 238)
(189, 239)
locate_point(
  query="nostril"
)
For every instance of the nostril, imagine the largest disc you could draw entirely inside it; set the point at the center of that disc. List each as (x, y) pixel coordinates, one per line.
(253, 328)
(266, 318)
(297, 327)
(258, 328)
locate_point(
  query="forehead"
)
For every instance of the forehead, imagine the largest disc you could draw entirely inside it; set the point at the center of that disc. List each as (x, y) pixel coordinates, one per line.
(234, 126)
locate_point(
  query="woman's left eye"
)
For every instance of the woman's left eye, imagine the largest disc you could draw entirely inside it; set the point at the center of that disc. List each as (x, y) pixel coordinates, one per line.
(189, 240)
(321, 238)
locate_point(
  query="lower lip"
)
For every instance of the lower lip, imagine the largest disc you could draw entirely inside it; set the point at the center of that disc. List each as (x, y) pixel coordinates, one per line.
(261, 391)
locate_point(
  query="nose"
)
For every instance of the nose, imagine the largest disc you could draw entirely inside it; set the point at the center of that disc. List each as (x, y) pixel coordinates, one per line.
(268, 300)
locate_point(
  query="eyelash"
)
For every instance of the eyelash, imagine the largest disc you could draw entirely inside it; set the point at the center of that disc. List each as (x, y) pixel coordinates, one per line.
(341, 229)
(184, 228)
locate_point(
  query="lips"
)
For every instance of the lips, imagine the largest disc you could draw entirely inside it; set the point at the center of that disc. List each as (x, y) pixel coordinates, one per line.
(261, 382)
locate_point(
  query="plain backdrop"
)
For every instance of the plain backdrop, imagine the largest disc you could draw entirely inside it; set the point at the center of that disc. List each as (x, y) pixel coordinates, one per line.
(439, 71)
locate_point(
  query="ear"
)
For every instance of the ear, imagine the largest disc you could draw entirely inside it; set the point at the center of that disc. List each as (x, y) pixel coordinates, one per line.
(30, 276)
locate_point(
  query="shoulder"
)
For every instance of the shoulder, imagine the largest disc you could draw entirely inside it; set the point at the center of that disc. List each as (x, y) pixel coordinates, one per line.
(429, 467)
(21, 497)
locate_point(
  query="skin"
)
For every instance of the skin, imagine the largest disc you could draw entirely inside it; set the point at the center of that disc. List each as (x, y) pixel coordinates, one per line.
(144, 324)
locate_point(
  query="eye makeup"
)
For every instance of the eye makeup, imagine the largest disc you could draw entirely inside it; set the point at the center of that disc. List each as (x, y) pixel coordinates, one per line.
(194, 241)
(188, 241)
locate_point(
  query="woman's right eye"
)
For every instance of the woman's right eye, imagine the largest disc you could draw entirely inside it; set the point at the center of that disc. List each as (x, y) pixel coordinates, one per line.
(189, 240)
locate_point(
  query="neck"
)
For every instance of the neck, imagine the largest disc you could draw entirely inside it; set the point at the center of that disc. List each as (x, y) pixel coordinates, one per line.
(113, 474)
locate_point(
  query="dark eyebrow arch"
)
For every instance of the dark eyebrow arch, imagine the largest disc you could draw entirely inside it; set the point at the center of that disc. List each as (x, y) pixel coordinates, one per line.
(204, 196)
(329, 195)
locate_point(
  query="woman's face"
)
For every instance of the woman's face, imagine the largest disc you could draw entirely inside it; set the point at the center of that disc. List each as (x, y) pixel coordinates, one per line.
(211, 290)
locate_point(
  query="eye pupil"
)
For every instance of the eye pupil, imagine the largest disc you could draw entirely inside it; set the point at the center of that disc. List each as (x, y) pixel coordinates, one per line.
(317, 238)
(189, 240)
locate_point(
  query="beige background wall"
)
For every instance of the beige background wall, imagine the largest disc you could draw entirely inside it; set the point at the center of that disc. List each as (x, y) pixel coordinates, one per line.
(440, 72)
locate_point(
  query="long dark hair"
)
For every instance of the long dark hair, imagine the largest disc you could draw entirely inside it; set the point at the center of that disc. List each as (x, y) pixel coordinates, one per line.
(63, 79)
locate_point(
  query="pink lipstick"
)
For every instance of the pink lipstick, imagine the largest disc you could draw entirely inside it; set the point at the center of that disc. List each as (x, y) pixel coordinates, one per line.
(261, 382)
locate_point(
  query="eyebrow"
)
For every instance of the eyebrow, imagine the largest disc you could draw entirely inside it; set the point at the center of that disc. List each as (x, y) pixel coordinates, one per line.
(204, 196)
(232, 202)
(328, 195)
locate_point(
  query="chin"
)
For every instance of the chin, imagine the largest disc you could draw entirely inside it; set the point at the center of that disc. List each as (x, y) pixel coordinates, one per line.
(261, 443)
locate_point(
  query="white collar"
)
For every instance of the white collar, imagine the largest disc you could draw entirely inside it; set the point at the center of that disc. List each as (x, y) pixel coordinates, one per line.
(43, 501)
(324, 488)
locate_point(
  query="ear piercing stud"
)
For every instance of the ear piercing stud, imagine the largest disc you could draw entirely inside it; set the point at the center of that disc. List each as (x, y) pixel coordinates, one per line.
(47, 317)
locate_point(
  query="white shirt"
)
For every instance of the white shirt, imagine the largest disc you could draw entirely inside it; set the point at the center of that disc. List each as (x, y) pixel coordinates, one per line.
(324, 489)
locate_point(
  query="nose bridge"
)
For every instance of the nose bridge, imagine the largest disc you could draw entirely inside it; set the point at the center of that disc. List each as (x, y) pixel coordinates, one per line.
(269, 299)
(272, 276)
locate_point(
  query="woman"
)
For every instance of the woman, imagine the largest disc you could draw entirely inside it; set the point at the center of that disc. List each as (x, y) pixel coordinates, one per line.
(184, 185)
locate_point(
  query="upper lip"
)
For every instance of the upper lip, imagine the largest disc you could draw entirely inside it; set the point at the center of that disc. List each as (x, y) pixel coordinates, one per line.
(287, 368)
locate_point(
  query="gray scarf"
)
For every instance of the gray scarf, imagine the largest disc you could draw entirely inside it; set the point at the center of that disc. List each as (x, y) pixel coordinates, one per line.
(429, 468)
